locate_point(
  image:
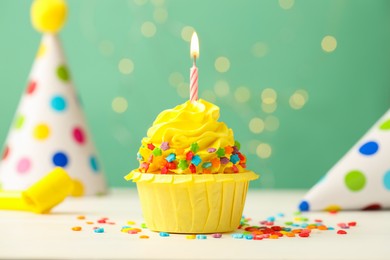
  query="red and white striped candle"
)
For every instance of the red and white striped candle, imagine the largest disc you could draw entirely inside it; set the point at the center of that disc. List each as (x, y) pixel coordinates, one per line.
(194, 70)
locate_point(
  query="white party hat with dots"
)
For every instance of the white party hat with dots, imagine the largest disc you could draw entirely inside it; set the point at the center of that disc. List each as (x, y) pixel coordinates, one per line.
(49, 129)
(361, 179)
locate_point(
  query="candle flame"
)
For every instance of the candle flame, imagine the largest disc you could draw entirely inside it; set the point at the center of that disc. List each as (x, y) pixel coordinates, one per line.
(194, 46)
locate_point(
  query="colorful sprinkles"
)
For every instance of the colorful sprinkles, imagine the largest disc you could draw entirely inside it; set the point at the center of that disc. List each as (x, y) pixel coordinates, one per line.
(272, 227)
(165, 159)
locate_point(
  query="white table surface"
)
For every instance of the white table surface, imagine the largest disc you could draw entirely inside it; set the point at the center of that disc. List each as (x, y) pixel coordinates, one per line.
(26, 235)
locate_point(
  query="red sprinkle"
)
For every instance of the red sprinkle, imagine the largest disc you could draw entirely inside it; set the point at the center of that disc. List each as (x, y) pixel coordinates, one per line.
(304, 234)
(172, 166)
(101, 221)
(352, 224)
(164, 170)
(151, 147)
(341, 232)
(192, 168)
(276, 228)
(189, 155)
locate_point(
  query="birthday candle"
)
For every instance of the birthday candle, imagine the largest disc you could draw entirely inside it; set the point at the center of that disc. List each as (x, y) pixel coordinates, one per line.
(194, 70)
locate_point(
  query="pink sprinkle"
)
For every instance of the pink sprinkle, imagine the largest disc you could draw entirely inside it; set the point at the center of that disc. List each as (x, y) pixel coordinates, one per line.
(211, 150)
(224, 160)
(132, 232)
(217, 235)
(164, 146)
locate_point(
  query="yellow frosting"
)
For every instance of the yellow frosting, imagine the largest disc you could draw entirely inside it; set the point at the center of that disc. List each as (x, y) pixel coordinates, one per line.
(189, 123)
(182, 128)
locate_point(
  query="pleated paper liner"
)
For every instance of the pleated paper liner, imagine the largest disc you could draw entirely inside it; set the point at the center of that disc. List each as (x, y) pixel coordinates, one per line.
(191, 203)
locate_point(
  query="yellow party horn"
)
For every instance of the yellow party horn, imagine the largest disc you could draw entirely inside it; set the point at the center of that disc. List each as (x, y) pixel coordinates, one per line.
(42, 196)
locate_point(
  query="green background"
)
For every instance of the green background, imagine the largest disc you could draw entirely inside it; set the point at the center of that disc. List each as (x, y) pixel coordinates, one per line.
(270, 44)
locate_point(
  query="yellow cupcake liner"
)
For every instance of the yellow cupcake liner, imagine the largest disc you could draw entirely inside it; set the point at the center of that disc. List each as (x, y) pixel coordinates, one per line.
(206, 203)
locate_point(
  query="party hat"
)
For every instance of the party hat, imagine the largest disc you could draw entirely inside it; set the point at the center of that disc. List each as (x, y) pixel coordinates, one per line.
(49, 129)
(361, 179)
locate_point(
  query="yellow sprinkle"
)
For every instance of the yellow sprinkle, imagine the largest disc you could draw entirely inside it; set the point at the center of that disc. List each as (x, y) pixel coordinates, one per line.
(76, 228)
(144, 237)
(80, 217)
(125, 230)
(130, 223)
(190, 237)
(274, 236)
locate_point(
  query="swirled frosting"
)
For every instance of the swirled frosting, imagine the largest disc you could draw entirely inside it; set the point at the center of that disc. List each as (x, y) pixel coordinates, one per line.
(189, 139)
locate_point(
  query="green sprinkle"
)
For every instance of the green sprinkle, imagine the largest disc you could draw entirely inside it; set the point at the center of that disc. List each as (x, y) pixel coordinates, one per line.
(288, 223)
(237, 144)
(157, 151)
(206, 165)
(194, 147)
(183, 164)
(143, 225)
(221, 152)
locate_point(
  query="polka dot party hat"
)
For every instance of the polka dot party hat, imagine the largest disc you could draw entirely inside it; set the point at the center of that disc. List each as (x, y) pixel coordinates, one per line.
(361, 179)
(49, 128)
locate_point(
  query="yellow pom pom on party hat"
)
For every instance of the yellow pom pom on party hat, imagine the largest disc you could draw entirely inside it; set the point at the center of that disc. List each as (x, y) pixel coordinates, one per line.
(48, 16)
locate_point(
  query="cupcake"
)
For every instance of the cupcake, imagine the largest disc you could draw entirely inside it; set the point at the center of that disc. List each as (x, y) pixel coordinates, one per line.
(192, 177)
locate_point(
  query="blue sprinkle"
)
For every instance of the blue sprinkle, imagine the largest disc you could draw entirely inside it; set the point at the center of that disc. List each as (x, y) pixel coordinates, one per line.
(237, 236)
(304, 206)
(123, 227)
(164, 234)
(280, 215)
(139, 157)
(206, 165)
(234, 158)
(330, 228)
(196, 160)
(304, 225)
(201, 237)
(287, 229)
(248, 237)
(295, 225)
(271, 219)
(99, 230)
(171, 157)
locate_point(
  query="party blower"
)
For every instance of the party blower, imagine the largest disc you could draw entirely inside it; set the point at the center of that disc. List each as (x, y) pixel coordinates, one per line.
(42, 196)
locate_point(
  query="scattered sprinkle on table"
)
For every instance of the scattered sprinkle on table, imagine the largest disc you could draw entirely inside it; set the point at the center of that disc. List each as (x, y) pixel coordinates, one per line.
(190, 236)
(98, 230)
(217, 235)
(201, 237)
(270, 228)
(342, 232)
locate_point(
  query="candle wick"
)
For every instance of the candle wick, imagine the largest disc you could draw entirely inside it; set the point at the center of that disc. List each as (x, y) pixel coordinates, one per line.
(194, 63)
